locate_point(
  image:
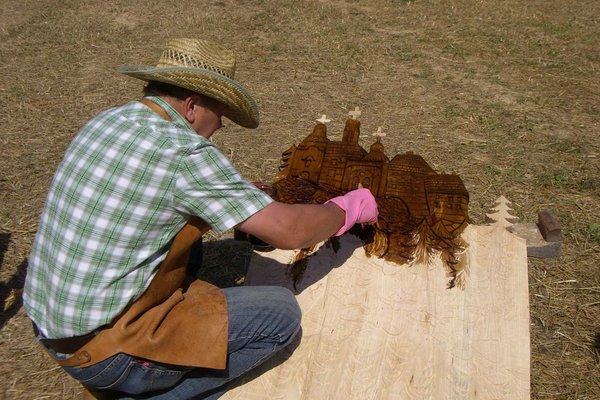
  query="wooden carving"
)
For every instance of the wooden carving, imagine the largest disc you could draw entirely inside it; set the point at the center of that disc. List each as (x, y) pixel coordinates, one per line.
(422, 213)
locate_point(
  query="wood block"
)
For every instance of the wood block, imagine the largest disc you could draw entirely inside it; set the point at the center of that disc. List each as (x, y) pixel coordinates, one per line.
(537, 246)
(549, 226)
(377, 330)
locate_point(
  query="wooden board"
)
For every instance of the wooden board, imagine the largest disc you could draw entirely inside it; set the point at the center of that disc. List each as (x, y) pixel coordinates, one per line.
(377, 330)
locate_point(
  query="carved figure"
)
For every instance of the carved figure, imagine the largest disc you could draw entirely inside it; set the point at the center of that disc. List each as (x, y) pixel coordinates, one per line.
(422, 213)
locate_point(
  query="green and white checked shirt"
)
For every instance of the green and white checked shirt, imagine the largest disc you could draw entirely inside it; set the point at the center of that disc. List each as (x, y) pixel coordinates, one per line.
(127, 184)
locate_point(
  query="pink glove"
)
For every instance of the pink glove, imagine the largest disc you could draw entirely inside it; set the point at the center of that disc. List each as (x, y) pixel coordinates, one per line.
(360, 208)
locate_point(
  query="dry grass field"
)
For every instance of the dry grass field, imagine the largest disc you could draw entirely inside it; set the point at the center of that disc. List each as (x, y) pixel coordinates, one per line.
(505, 93)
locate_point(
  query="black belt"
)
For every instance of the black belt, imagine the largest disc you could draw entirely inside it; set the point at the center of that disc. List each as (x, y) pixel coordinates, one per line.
(68, 345)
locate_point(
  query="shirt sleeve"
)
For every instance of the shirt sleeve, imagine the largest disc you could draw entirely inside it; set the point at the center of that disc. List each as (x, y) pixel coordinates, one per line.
(209, 187)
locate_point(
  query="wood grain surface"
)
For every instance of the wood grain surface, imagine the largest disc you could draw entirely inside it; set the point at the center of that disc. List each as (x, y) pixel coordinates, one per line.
(376, 330)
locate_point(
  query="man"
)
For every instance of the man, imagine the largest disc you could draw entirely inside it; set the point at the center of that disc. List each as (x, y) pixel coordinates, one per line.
(138, 184)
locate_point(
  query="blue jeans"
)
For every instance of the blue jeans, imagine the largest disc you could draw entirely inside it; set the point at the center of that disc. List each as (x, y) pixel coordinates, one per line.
(262, 321)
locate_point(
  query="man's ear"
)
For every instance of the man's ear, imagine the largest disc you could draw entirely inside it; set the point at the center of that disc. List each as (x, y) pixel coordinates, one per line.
(188, 109)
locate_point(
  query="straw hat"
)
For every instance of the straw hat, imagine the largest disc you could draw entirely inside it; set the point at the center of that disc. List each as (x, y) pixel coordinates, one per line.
(205, 68)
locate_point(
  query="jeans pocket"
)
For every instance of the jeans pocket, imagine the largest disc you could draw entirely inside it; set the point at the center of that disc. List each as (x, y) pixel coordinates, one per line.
(127, 374)
(145, 376)
(108, 374)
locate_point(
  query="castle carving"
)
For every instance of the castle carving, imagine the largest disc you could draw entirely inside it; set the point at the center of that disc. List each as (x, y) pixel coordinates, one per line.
(421, 213)
(340, 166)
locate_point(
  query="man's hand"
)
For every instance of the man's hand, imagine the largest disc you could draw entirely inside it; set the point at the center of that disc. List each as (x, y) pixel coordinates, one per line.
(360, 208)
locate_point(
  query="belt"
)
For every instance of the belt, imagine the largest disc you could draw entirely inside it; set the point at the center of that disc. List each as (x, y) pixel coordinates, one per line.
(68, 345)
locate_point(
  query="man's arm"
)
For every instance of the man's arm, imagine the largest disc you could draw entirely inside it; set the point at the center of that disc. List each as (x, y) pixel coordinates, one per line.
(297, 226)
(294, 226)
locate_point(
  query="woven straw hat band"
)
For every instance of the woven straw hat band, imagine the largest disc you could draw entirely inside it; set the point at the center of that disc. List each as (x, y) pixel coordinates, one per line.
(198, 54)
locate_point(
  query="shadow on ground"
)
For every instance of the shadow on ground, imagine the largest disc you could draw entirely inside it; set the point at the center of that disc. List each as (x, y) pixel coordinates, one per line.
(12, 290)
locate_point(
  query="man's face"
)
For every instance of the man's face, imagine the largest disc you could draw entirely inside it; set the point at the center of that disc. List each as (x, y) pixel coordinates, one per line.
(207, 119)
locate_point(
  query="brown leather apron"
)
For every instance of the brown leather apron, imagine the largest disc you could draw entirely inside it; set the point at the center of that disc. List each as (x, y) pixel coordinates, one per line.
(168, 323)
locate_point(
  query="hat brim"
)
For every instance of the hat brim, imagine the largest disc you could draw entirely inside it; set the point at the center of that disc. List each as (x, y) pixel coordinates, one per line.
(241, 107)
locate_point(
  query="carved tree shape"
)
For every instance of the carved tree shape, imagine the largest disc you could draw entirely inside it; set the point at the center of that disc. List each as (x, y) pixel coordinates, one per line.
(501, 213)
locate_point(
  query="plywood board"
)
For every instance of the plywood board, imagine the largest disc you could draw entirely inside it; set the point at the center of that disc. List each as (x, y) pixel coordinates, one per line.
(376, 330)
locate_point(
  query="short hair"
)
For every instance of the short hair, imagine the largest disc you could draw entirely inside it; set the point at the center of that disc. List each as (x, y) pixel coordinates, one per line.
(165, 89)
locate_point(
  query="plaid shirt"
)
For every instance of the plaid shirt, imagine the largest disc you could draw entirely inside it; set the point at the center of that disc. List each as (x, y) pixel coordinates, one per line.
(128, 183)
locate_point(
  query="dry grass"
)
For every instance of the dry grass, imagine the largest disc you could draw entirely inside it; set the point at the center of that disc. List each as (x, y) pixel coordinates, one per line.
(504, 93)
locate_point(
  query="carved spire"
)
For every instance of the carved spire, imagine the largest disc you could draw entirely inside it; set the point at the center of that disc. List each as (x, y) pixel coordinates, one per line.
(379, 134)
(351, 131)
(376, 151)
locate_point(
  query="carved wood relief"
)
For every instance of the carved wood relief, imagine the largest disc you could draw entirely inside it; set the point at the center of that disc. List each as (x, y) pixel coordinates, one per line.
(422, 213)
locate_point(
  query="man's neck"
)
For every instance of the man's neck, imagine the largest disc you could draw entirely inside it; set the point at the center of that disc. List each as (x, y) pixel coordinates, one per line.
(175, 103)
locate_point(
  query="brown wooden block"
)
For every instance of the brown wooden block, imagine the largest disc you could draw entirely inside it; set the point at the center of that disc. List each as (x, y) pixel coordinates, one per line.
(549, 226)
(537, 246)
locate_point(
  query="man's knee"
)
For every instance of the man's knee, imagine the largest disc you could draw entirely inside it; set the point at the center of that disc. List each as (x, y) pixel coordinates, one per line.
(262, 313)
(271, 310)
(291, 315)
(281, 303)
